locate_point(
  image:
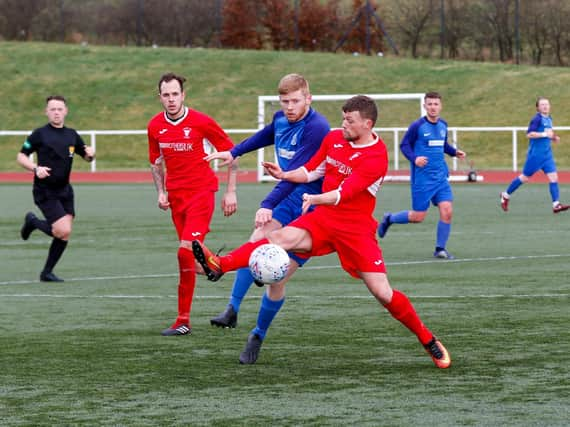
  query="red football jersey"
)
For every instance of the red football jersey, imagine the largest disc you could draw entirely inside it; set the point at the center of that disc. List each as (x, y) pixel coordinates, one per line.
(356, 171)
(182, 145)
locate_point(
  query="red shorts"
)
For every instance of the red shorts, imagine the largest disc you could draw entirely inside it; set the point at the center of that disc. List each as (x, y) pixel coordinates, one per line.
(354, 242)
(192, 213)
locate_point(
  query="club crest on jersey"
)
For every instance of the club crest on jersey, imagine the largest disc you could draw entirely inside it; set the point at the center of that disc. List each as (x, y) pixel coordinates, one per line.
(71, 150)
(187, 132)
(442, 133)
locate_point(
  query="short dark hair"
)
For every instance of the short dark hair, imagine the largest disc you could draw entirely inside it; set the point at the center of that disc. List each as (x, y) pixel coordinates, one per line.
(541, 98)
(168, 77)
(432, 95)
(364, 105)
(56, 98)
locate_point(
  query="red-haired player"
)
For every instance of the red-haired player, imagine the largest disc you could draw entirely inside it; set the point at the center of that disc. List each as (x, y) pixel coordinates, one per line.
(353, 162)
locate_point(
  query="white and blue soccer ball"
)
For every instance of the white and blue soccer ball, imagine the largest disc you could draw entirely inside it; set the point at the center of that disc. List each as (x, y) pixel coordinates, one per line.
(269, 263)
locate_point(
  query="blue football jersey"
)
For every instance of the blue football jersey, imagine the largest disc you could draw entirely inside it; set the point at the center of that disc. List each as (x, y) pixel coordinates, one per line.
(295, 143)
(424, 138)
(539, 147)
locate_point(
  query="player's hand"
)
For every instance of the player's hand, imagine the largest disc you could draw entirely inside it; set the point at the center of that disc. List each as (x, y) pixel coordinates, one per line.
(549, 133)
(273, 169)
(555, 138)
(421, 161)
(89, 153)
(43, 172)
(307, 203)
(262, 217)
(225, 156)
(229, 203)
(460, 154)
(163, 202)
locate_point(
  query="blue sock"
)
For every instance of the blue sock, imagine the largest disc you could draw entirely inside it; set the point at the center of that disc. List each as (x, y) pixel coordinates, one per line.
(516, 183)
(267, 313)
(443, 231)
(400, 217)
(242, 283)
(554, 191)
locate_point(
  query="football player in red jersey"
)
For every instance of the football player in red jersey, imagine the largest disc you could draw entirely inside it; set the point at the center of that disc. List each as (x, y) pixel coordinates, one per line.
(178, 140)
(353, 161)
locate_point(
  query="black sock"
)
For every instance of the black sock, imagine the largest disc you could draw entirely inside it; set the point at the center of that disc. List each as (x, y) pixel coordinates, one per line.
(42, 225)
(55, 251)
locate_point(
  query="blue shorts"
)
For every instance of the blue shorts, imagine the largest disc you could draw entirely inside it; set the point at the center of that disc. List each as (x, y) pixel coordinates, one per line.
(422, 196)
(285, 212)
(534, 164)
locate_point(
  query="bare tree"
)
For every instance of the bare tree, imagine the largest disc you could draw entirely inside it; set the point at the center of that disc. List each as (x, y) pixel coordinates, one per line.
(457, 28)
(558, 19)
(412, 18)
(18, 17)
(499, 15)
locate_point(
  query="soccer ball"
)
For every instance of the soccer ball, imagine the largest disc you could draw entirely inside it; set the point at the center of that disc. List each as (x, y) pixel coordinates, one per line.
(268, 263)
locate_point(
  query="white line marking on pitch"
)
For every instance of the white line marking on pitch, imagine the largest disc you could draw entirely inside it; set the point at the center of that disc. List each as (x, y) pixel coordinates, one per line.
(315, 267)
(214, 297)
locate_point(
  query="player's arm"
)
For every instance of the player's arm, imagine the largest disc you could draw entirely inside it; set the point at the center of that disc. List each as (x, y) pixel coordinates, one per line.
(260, 139)
(310, 144)
(157, 170)
(408, 143)
(85, 151)
(158, 175)
(534, 132)
(229, 200)
(450, 150)
(222, 142)
(329, 198)
(23, 157)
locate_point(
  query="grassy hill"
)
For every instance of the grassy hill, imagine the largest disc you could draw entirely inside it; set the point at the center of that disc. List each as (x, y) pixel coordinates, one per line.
(115, 88)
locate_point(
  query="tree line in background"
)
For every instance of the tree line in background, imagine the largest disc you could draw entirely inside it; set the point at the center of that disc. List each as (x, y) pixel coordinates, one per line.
(529, 31)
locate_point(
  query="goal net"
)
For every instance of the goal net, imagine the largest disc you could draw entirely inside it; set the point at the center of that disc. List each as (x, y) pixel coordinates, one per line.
(396, 112)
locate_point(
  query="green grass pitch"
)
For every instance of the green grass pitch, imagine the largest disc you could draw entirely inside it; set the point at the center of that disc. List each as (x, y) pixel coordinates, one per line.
(89, 351)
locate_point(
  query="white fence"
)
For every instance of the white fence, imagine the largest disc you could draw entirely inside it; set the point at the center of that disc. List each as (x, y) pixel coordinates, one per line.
(397, 133)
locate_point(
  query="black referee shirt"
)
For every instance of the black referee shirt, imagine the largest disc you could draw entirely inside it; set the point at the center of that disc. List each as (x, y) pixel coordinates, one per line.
(55, 148)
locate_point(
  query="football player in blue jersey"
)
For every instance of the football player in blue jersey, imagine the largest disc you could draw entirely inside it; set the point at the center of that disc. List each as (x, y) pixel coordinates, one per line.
(539, 156)
(424, 145)
(296, 131)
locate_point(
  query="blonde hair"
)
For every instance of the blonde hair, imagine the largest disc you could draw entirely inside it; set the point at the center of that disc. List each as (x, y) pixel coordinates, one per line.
(293, 82)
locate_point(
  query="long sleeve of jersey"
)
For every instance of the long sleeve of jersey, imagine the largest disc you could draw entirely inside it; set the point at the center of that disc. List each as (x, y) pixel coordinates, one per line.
(449, 149)
(312, 137)
(407, 144)
(260, 139)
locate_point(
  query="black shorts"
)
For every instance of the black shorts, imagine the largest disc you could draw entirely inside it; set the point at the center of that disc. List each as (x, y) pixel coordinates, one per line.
(55, 203)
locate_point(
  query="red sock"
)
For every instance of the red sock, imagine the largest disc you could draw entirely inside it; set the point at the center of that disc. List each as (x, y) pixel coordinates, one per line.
(186, 285)
(239, 257)
(402, 309)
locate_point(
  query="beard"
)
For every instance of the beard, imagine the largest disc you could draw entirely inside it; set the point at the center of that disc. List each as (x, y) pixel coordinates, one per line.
(348, 136)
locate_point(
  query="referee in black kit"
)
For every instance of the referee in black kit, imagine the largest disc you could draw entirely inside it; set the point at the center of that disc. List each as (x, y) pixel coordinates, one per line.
(55, 146)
